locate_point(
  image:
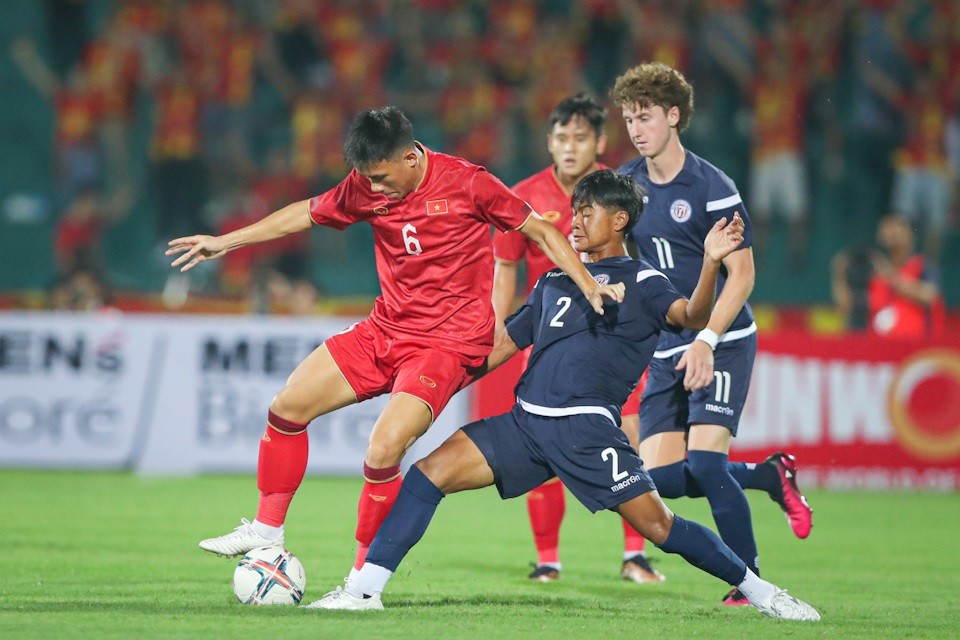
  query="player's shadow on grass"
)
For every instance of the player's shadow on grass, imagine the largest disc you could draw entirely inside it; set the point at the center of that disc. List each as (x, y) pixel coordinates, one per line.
(480, 600)
(512, 600)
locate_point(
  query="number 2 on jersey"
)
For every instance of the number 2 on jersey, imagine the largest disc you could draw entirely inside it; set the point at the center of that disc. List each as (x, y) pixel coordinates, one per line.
(664, 253)
(564, 303)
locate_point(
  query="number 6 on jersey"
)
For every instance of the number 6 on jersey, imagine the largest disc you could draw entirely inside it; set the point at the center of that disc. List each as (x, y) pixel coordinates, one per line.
(410, 240)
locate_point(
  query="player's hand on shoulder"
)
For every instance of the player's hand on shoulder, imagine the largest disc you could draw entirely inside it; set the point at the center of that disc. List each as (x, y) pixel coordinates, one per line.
(724, 238)
(697, 361)
(613, 292)
(195, 249)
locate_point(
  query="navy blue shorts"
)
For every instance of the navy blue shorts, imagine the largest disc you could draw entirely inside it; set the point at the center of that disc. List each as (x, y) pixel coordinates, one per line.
(666, 406)
(587, 452)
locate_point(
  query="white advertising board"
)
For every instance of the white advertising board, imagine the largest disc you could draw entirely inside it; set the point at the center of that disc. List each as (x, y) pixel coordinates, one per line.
(168, 394)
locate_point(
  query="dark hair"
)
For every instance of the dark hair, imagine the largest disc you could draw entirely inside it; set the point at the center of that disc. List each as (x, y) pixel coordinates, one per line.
(612, 191)
(654, 84)
(584, 105)
(377, 135)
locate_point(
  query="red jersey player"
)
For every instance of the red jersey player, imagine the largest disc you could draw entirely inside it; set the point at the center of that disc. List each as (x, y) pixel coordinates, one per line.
(575, 140)
(432, 325)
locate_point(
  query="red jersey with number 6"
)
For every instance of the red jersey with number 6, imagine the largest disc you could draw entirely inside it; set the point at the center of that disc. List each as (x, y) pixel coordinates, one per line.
(433, 249)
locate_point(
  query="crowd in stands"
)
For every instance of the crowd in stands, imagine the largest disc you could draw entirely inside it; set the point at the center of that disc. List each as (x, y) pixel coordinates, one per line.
(802, 101)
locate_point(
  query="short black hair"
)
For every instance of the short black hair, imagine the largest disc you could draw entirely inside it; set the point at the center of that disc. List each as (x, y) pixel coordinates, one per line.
(584, 105)
(377, 135)
(612, 191)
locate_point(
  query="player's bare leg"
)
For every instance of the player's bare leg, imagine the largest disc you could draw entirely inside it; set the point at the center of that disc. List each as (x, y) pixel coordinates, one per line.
(662, 449)
(315, 387)
(703, 549)
(404, 419)
(636, 566)
(457, 465)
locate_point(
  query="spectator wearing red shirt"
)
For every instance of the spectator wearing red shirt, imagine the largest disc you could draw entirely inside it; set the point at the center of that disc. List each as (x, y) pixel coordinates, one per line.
(76, 238)
(77, 159)
(903, 295)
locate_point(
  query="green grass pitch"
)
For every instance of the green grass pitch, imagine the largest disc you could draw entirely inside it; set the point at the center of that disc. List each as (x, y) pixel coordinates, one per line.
(110, 555)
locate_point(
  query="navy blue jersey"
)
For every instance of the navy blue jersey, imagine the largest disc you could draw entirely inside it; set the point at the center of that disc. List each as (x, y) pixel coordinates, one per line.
(580, 358)
(676, 219)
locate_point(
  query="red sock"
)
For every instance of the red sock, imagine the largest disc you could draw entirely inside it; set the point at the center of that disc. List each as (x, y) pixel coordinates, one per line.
(380, 490)
(633, 542)
(283, 461)
(546, 505)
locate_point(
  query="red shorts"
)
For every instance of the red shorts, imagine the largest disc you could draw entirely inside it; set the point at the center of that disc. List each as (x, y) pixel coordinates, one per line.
(374, 363)
(632, 406)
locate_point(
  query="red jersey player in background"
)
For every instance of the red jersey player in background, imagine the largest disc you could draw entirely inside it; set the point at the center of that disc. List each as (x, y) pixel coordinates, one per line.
(430, 329)
(575, 140)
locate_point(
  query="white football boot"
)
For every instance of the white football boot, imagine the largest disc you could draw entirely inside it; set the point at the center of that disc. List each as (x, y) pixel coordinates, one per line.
(340, 599)
(786, 607)
(240, 541)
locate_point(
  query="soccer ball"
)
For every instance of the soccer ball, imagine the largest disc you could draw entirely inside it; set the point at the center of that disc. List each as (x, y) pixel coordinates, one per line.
(269, 575)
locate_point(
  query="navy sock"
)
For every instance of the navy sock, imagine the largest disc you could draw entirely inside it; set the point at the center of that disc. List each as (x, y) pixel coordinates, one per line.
(674, 481)
(728, 503)
(762, 476)
(408, 520)
(703, 549)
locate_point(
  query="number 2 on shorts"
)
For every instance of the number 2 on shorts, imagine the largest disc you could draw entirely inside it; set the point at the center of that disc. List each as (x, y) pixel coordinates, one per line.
(611, 454)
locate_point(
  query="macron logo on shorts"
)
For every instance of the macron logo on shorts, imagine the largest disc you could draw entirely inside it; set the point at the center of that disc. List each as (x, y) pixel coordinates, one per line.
(623, 484)
(716, 408)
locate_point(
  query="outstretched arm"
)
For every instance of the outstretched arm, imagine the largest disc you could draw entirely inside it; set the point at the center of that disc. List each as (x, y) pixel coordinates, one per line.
(558, 249)
(196, 249)
(699, 312)
(722, 240)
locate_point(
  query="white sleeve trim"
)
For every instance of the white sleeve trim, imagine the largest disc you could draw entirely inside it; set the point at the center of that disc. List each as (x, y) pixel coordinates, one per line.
(648, 273)
(533, 214)
(724, 203)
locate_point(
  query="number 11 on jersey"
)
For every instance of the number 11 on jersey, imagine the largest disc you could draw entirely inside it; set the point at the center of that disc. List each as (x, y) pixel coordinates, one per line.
(664, 254)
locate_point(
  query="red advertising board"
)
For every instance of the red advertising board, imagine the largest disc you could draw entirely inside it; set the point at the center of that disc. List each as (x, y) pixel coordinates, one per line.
(857, 411)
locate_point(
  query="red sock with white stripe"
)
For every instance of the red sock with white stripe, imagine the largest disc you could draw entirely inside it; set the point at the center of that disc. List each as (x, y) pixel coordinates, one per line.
(284, 449)
(380, 490)
(546, 506)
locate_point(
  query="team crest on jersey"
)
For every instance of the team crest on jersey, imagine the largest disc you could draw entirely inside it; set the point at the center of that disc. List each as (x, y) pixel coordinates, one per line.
(602, 278)
(680, 210)
(380, 211)
(551, 216)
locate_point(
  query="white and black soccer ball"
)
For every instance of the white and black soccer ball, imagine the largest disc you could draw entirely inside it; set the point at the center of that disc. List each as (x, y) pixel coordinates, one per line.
(269, 575)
